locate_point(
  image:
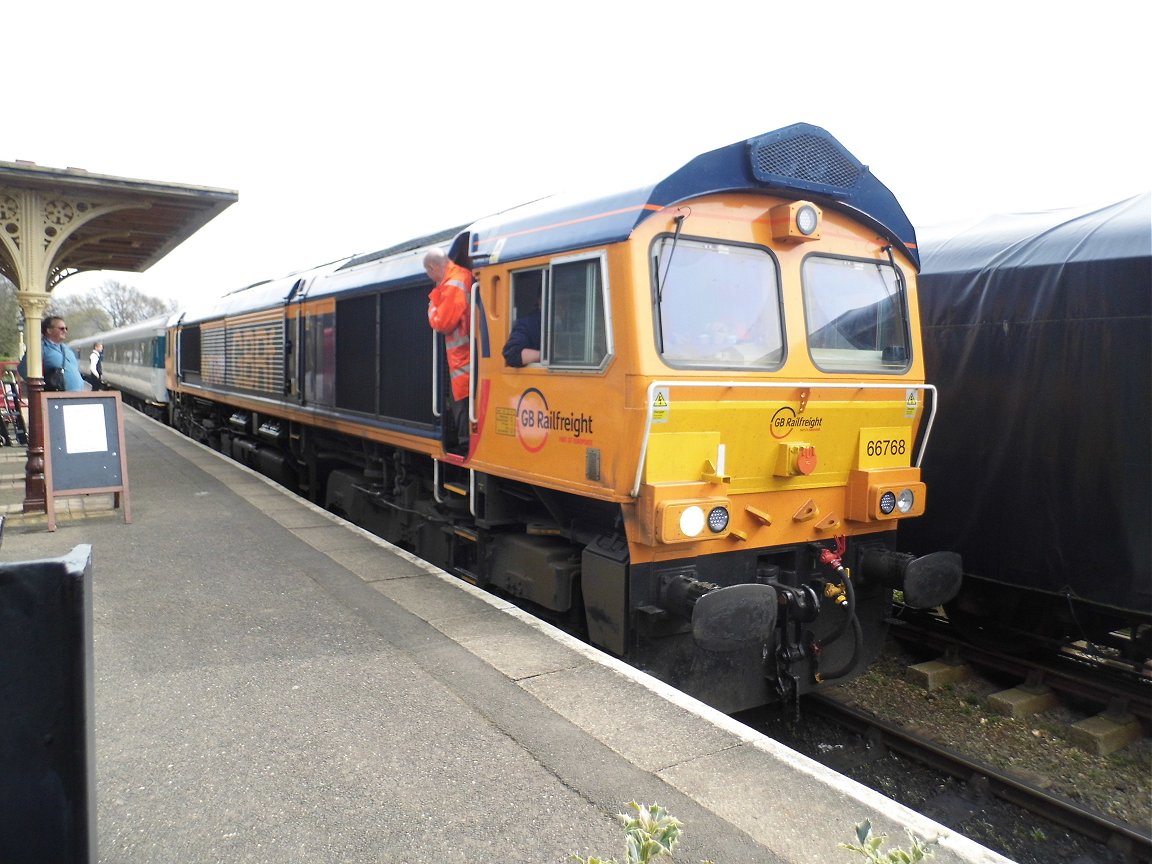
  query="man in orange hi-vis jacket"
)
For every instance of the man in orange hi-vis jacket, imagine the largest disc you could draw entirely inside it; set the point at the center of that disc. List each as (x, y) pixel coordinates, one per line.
(448, 314)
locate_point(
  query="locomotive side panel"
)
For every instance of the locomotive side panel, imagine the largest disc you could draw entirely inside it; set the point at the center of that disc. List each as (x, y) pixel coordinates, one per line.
(377, 350)
(558, 422)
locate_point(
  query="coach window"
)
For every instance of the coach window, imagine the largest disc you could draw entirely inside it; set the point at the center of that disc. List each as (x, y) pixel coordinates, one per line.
(717, 304)
(857, 315)
(576, 319)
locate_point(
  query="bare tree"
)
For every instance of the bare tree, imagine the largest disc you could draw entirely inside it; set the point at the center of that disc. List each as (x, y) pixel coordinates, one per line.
(111, 305)
(85, 316)
(126, 305)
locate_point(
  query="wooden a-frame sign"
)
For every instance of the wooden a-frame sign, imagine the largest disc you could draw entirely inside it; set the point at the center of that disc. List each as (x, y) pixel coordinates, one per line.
(84, 448)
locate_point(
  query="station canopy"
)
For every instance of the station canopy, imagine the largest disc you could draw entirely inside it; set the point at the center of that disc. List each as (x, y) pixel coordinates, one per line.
(80, 221)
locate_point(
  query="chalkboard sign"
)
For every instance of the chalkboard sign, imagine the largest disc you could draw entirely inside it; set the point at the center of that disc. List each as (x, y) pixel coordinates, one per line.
(84, 448)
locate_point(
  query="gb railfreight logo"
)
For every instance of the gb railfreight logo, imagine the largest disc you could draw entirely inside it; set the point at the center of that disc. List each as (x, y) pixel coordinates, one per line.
(785, 420)
(533, 421)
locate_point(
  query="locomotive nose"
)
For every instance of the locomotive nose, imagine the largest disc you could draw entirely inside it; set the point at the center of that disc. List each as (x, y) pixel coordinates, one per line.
(927, 582)
(735, 616)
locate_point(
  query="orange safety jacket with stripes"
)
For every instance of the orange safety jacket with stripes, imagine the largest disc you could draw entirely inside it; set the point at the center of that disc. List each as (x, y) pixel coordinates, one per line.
(448, 314)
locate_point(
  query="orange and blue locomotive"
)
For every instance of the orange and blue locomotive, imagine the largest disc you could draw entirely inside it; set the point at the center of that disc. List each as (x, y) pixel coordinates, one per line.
(703, 472)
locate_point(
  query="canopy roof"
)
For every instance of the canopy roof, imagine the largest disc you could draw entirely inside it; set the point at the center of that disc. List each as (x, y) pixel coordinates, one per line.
(86, 221)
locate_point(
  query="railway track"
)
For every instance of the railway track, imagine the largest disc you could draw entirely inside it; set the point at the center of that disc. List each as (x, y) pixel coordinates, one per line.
(931, 750)
(1069, 670)
(983, 783)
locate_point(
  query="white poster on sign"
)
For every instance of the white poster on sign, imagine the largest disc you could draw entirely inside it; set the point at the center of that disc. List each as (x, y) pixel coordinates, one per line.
(84, 429)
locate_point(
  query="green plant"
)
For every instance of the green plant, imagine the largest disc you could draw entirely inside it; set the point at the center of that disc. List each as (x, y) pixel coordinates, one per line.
(869, 846)
(652, 833)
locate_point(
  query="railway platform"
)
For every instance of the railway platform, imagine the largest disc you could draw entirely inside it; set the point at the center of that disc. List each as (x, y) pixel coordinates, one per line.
(273, 684)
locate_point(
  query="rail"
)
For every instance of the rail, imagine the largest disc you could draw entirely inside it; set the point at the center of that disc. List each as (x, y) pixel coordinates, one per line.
(1133, 840)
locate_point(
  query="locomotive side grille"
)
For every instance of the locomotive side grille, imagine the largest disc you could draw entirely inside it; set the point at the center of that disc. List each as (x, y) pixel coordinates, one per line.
(212, 355)
(256, 356)
(805, 160)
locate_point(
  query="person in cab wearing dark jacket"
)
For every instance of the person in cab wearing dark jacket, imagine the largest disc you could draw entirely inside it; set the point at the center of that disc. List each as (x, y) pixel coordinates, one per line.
(523, 345)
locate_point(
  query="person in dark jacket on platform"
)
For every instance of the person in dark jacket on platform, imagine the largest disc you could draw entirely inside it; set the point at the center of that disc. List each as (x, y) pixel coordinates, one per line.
(95, 373)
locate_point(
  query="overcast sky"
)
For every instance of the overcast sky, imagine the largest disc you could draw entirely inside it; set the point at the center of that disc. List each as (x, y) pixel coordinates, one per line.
(346, 127)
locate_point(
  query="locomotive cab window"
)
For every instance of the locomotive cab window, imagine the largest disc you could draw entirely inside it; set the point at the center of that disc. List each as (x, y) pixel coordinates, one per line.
(717, 304)
(857, 315)
(576, 331)
(527, 303)
(570, 297)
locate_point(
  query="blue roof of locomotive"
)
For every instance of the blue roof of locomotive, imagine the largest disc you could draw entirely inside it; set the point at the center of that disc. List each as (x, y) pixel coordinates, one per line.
(799, 160)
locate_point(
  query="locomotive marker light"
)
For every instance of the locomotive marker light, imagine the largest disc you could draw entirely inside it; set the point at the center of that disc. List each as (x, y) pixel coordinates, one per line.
(885, 494)
(692, 521)
(717, 519)
(806, 219)
(795, 222)
(685, 520)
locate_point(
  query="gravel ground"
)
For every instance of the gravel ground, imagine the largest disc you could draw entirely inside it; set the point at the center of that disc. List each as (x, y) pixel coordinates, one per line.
(1036, 749)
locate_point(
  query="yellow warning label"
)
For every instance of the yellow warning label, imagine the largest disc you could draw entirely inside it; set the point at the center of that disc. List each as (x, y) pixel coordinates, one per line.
(505, 421)
(660, 405)
(911, 403)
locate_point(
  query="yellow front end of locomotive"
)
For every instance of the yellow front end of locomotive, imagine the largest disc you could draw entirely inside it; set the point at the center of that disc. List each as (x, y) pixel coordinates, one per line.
(708, 454)
(757, 472)
(803, 451)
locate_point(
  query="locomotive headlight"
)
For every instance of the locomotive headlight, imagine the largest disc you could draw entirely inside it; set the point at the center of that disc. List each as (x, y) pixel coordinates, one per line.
(685, 521)
(806, 219)
(717, 519)
(692, 521)
(795, 221)
(884, 494)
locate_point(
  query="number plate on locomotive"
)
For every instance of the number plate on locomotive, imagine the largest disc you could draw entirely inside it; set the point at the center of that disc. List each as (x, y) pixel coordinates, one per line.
(885, 447)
